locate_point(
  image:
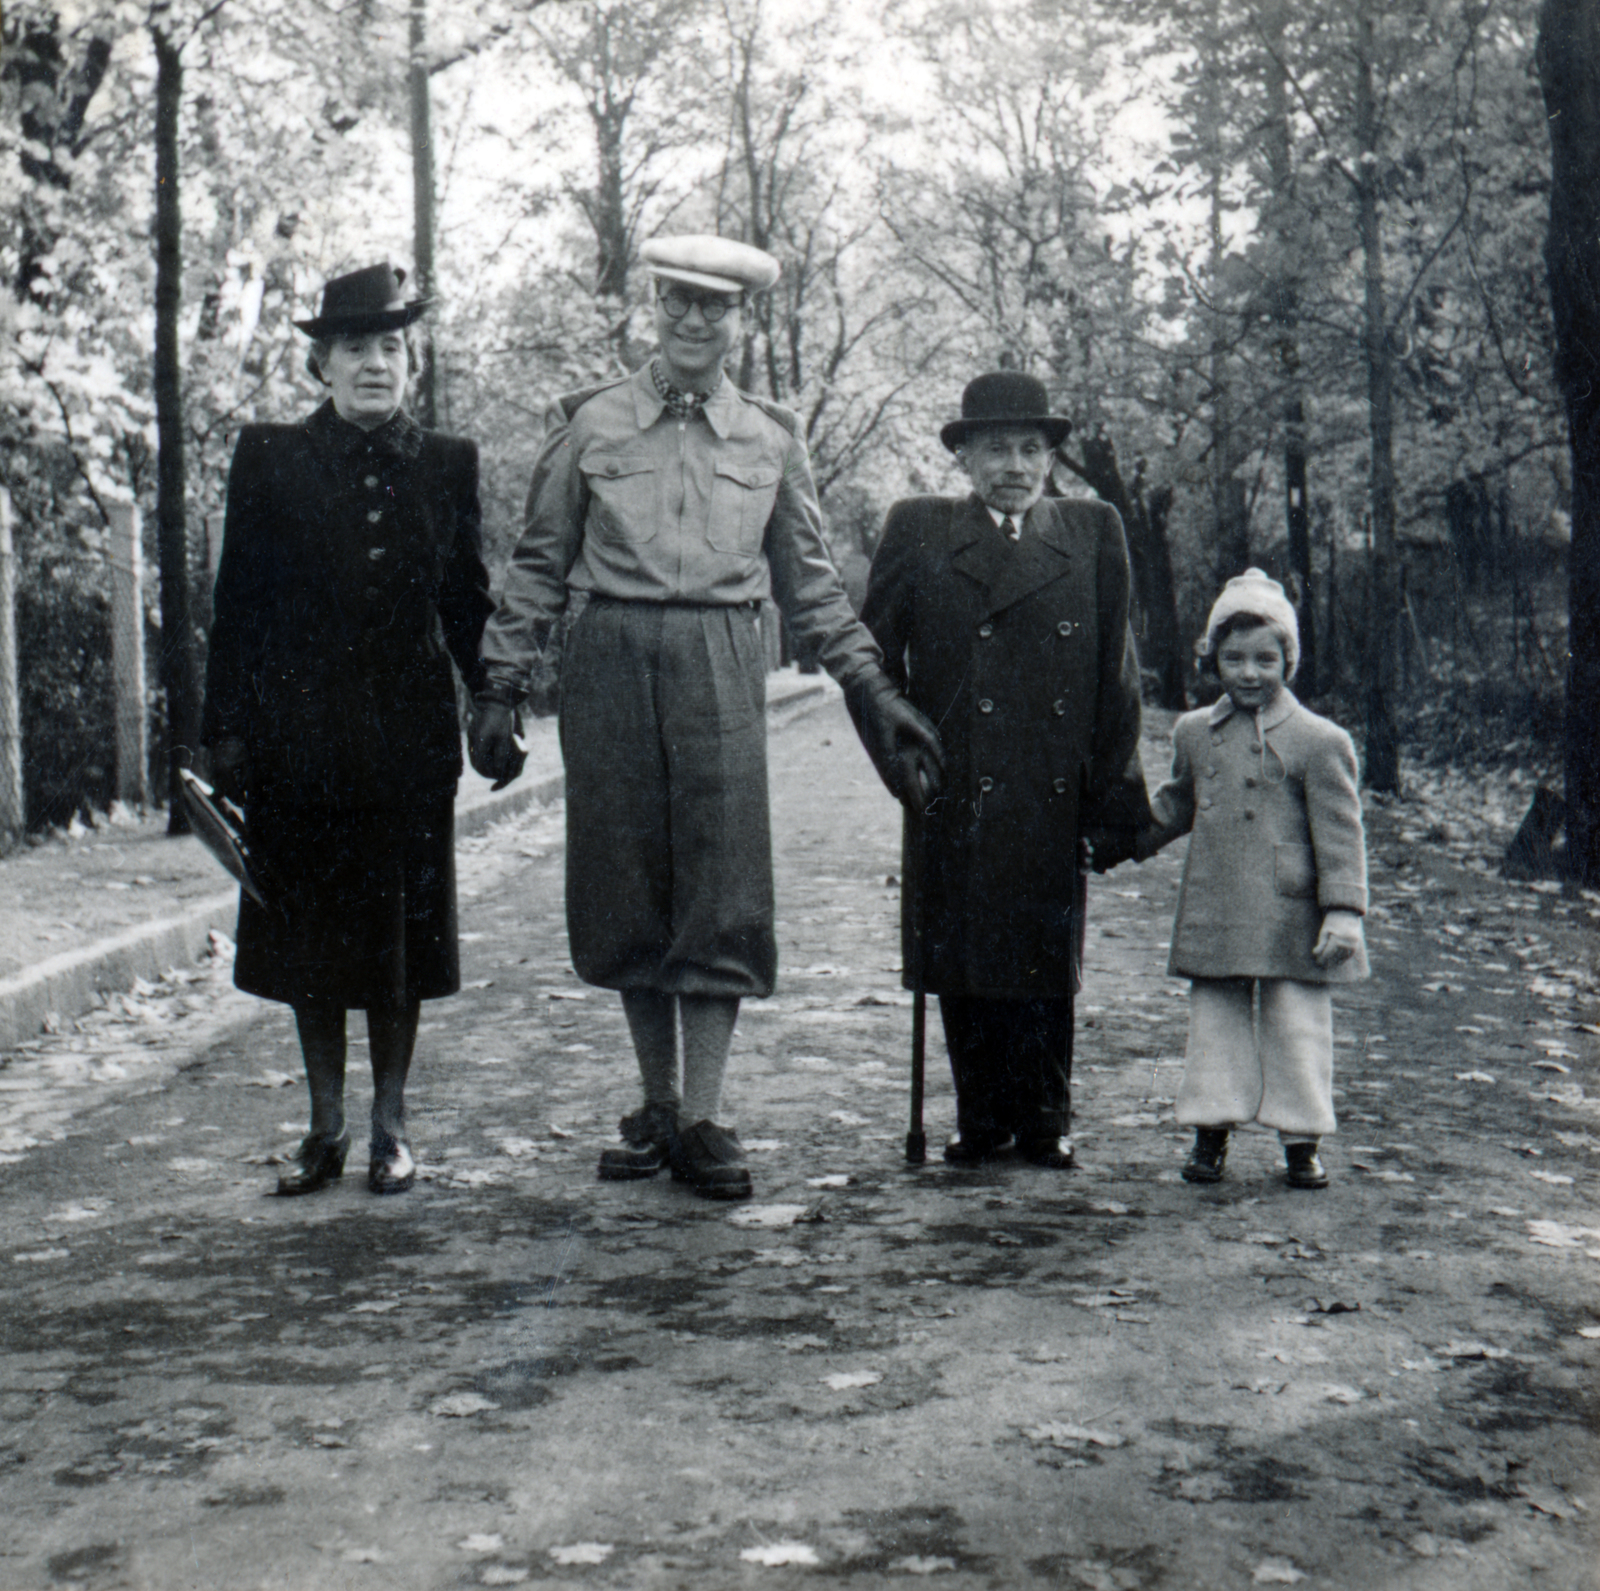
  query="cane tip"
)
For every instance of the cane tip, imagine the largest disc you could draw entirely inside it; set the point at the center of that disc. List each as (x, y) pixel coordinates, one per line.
(916, 1148)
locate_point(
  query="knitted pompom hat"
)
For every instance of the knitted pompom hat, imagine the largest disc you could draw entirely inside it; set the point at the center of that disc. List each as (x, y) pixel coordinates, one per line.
(1255, 592)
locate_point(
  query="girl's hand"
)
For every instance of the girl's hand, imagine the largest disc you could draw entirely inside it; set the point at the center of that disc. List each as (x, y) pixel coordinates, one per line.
(1340, 939)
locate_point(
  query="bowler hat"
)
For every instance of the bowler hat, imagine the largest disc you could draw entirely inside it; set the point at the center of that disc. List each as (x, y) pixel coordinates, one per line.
(1005, 397)
(365, 301)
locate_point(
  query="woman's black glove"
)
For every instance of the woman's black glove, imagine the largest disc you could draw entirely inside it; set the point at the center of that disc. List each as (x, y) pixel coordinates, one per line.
(230, 770)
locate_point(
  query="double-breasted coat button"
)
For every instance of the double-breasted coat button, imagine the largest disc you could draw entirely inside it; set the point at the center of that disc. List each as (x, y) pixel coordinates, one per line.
(374, 515)
(1250, 782)
(986, 784)
(1060, 786)
(985, 631)
(1248, 814)
(373, 593)
(370, 482)
(1211, 772)
(611, 469)
(1059, 706)
(985, 706)
(375, 553)
(1205, 801)
(1065, 627)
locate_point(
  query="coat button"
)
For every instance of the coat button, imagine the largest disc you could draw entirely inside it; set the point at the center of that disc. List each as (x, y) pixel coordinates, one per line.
(375, 553)
(1059, 706)
(1249, 814)
(985, 706)
(373, 593)
(1065, 627)
(1060, 786)
(370, 482)
(1205, 801)
(985, 630)
(611, 469)
(1211, 772)
(374, 515)
(986, 784)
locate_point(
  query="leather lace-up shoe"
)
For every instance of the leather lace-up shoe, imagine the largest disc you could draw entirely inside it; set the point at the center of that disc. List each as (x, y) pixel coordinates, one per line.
(1054, 1154)
(1305, 1168)
(709, 1158)
(391, 1170)
(649, 1134)
(316, 1163)
(973, 1148)
(1208, 1156)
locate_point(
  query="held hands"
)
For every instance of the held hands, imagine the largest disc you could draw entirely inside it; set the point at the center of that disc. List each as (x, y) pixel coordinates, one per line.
(1340, 939)
(492, 741)
(903, 745)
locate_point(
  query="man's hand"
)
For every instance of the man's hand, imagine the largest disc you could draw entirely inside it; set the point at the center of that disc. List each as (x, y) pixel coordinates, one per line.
(903, 745)
(230, 770)
(1108, 848)
(1340, 939)
(492, 741)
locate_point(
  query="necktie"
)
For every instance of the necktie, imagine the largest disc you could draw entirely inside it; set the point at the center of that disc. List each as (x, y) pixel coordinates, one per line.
(1013, 527)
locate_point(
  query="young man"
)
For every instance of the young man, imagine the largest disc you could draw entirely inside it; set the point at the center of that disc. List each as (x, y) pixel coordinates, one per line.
(677, 503)
(1004, 616)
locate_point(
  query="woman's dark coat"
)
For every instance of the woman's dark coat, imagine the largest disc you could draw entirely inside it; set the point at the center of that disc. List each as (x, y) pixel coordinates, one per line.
(351, 572)
(1022, 656)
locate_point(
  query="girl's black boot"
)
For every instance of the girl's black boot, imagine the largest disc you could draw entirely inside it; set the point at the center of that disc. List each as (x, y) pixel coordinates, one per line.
(1206, 1159)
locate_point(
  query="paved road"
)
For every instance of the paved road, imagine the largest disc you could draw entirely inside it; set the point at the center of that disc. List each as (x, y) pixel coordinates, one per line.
(871, 1375)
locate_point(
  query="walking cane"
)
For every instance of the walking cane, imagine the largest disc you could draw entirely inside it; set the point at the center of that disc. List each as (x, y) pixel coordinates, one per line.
(916, 1138)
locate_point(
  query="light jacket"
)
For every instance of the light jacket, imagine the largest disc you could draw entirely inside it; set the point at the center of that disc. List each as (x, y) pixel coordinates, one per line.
(629, 502)
(1276, 841)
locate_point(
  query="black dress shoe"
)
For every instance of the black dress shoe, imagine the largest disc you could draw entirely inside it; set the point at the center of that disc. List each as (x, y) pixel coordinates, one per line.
(650, 1134)
(972, 1148)
(316, 1163)
(1208, 1156)
(1054, 1154)
(709, 1158)
(1305, 1168)
(391, 1169)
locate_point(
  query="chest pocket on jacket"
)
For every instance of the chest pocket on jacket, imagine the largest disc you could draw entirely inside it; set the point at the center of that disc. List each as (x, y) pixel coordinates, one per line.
(742, 497)
(622, 497)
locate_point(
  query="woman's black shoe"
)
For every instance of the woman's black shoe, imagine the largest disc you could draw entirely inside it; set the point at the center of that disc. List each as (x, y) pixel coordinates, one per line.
(1208, 1156)
(650, 1134)
(973, 1148)
(1304, 1165)
(392, 1169)
(316, 1163)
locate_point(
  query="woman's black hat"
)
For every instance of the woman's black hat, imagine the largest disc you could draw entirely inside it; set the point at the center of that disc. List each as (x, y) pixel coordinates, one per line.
(365, 301)
(1005, 397)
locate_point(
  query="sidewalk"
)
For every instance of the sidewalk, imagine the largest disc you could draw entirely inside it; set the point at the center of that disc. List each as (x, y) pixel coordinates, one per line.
(90, 915)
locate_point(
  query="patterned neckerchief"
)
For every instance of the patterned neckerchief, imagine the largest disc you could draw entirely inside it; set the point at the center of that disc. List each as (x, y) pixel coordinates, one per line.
(680, 405)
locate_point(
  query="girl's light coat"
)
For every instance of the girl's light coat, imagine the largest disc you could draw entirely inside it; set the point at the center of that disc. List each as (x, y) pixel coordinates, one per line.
(1276, 841)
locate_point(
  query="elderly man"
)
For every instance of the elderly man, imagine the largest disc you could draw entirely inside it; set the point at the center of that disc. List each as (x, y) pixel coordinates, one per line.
(676, 503)
(1004, 615)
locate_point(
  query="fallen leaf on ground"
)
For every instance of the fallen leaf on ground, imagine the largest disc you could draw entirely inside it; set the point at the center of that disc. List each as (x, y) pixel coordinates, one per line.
(1557, 1179)
(1335, 1393)
(1558, 1234)
(582, 1552)
(1471, 1350)
(832, 1180)
(462, 1404)
(768, 1215)
(1475, 1077)
(1064, 1434)
(503, 1574)
(1277, 1571)
(559, 1132)
(922, 1565)
(780, 1553)
(848, 1380)
(1589, 1331)
(271, 1080)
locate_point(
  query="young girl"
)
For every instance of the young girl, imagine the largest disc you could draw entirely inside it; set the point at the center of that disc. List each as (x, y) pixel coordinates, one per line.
(1274, 889)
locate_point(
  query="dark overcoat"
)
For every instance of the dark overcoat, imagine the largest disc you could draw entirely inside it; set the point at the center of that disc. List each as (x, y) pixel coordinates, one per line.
(1022, 655)
(351, 572)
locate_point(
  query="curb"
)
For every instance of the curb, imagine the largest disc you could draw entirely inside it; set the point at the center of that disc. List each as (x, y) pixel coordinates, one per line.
(74, 982)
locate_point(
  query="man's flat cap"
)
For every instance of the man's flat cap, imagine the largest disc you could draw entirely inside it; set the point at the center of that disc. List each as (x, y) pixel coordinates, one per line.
(705, 261)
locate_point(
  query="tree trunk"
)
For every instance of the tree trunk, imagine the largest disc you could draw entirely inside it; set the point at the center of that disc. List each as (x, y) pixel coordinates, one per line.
(1569, 72)
(1378, 664)
(1145, 522)
(1284, 293)
(179, 673)
(422, 204)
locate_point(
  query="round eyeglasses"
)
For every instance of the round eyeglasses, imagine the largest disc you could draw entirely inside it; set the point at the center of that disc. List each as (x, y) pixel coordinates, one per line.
(677, 303)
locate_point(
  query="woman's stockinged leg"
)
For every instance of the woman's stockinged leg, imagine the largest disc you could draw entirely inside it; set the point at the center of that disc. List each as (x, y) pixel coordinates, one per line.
(322, 1042)
(392, 1038)
(708, 1022)
(652, 1023)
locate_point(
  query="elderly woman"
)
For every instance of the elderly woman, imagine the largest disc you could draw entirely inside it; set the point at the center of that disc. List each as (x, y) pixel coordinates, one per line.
(351, 573)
